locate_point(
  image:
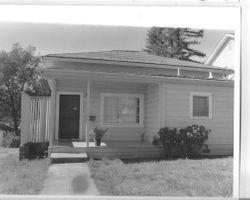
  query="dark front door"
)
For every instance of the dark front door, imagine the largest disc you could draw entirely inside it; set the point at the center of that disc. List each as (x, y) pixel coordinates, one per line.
(69, 112)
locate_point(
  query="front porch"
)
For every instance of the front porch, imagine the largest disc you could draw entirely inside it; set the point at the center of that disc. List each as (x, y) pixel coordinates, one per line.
(127, 109)
(70, 151)
(130, 111)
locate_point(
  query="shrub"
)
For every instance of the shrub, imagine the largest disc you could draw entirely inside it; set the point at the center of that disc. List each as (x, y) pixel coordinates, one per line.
(10, 140)
(187, 140)
(192, 138)
(168, 139)
(23, 152)
(33, 150)
(15, 142)
(155, 141)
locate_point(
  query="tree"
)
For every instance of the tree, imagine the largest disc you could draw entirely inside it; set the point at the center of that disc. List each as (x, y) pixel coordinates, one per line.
(38, 87)
(18, 68)
(174, 43)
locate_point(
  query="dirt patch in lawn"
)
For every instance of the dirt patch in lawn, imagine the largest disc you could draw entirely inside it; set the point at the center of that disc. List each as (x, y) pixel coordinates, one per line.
(206, 177)
(21, 177)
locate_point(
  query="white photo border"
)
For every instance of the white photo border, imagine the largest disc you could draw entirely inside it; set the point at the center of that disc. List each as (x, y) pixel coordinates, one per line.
(230, 15)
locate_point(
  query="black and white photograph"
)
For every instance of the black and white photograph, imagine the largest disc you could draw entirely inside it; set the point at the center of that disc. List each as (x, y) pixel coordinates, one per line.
(141, 109)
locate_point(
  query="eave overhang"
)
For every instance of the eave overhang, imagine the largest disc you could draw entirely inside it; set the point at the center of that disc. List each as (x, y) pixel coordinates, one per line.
(119, 77)
(48, 61)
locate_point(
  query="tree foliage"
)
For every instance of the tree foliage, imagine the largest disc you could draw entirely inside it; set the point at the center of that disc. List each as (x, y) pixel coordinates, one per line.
(174, 42)
(18, 72)
(38, 87)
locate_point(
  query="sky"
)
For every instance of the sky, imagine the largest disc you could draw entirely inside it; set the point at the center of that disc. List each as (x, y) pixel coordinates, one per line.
(65, 38)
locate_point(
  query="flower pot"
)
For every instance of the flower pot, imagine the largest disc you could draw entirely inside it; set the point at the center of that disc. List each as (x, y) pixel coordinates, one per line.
(98, 142)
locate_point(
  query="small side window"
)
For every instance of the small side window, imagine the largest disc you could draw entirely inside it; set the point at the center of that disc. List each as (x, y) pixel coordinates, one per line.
(200, 105)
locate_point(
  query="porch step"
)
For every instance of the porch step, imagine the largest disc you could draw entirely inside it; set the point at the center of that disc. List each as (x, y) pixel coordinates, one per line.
(67, 149)
(68, 157)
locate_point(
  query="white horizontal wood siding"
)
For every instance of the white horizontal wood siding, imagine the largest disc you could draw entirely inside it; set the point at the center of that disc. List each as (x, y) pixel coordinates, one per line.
(152, 111)
(96, 88)
(177, 113)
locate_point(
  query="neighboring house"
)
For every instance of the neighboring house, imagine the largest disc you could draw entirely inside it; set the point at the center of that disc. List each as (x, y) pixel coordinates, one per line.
(223, 54)
(132, 93)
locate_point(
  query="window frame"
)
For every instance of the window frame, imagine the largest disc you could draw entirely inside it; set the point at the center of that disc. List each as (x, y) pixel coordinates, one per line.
(141, 113)
(201, 94)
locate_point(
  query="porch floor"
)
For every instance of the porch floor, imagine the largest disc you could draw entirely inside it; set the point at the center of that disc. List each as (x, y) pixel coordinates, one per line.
(74, 144)
(109, 149)
(111, 144)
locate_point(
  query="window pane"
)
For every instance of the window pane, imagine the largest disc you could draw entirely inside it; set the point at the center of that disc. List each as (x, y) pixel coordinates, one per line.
(129, 110)
(111, 110)
(200, 106)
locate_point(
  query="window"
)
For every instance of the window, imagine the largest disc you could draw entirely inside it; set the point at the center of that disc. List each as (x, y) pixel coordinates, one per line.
(122, 109)
(200, 105)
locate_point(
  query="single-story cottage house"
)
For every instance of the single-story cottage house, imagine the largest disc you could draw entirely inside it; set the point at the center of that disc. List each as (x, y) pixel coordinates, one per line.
(133, 94)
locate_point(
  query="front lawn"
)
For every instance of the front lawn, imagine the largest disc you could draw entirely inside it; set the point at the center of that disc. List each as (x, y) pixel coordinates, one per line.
(21, 177)
(204, 177)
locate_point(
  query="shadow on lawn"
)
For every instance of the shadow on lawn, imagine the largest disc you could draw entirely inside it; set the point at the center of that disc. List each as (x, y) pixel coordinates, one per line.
(80, 184)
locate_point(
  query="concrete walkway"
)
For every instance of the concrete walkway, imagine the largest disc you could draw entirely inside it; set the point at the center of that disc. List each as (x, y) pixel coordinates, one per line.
(69, 179)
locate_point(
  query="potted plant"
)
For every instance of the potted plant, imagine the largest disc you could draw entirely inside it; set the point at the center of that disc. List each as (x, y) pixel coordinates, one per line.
(98, 133)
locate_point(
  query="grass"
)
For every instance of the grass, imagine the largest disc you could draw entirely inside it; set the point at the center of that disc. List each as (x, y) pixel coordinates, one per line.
(21, 177)
(204, 177)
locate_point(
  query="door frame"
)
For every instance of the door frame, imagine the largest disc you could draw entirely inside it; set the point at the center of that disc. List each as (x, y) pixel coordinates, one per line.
(57, 112)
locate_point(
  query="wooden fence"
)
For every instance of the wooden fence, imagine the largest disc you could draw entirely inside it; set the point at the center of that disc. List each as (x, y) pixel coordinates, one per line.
(35, 118)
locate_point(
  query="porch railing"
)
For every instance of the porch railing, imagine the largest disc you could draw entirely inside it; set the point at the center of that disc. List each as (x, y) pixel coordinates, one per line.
(35, 123)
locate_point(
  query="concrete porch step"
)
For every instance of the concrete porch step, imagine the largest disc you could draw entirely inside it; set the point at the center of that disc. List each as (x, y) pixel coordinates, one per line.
(67, 149)
(68, 157)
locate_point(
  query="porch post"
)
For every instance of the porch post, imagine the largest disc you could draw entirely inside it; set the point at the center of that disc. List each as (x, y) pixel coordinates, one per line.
(52, 84)
(162, 104)
(87, 114)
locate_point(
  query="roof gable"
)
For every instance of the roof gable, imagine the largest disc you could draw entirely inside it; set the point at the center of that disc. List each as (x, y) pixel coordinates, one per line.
(219, 48)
